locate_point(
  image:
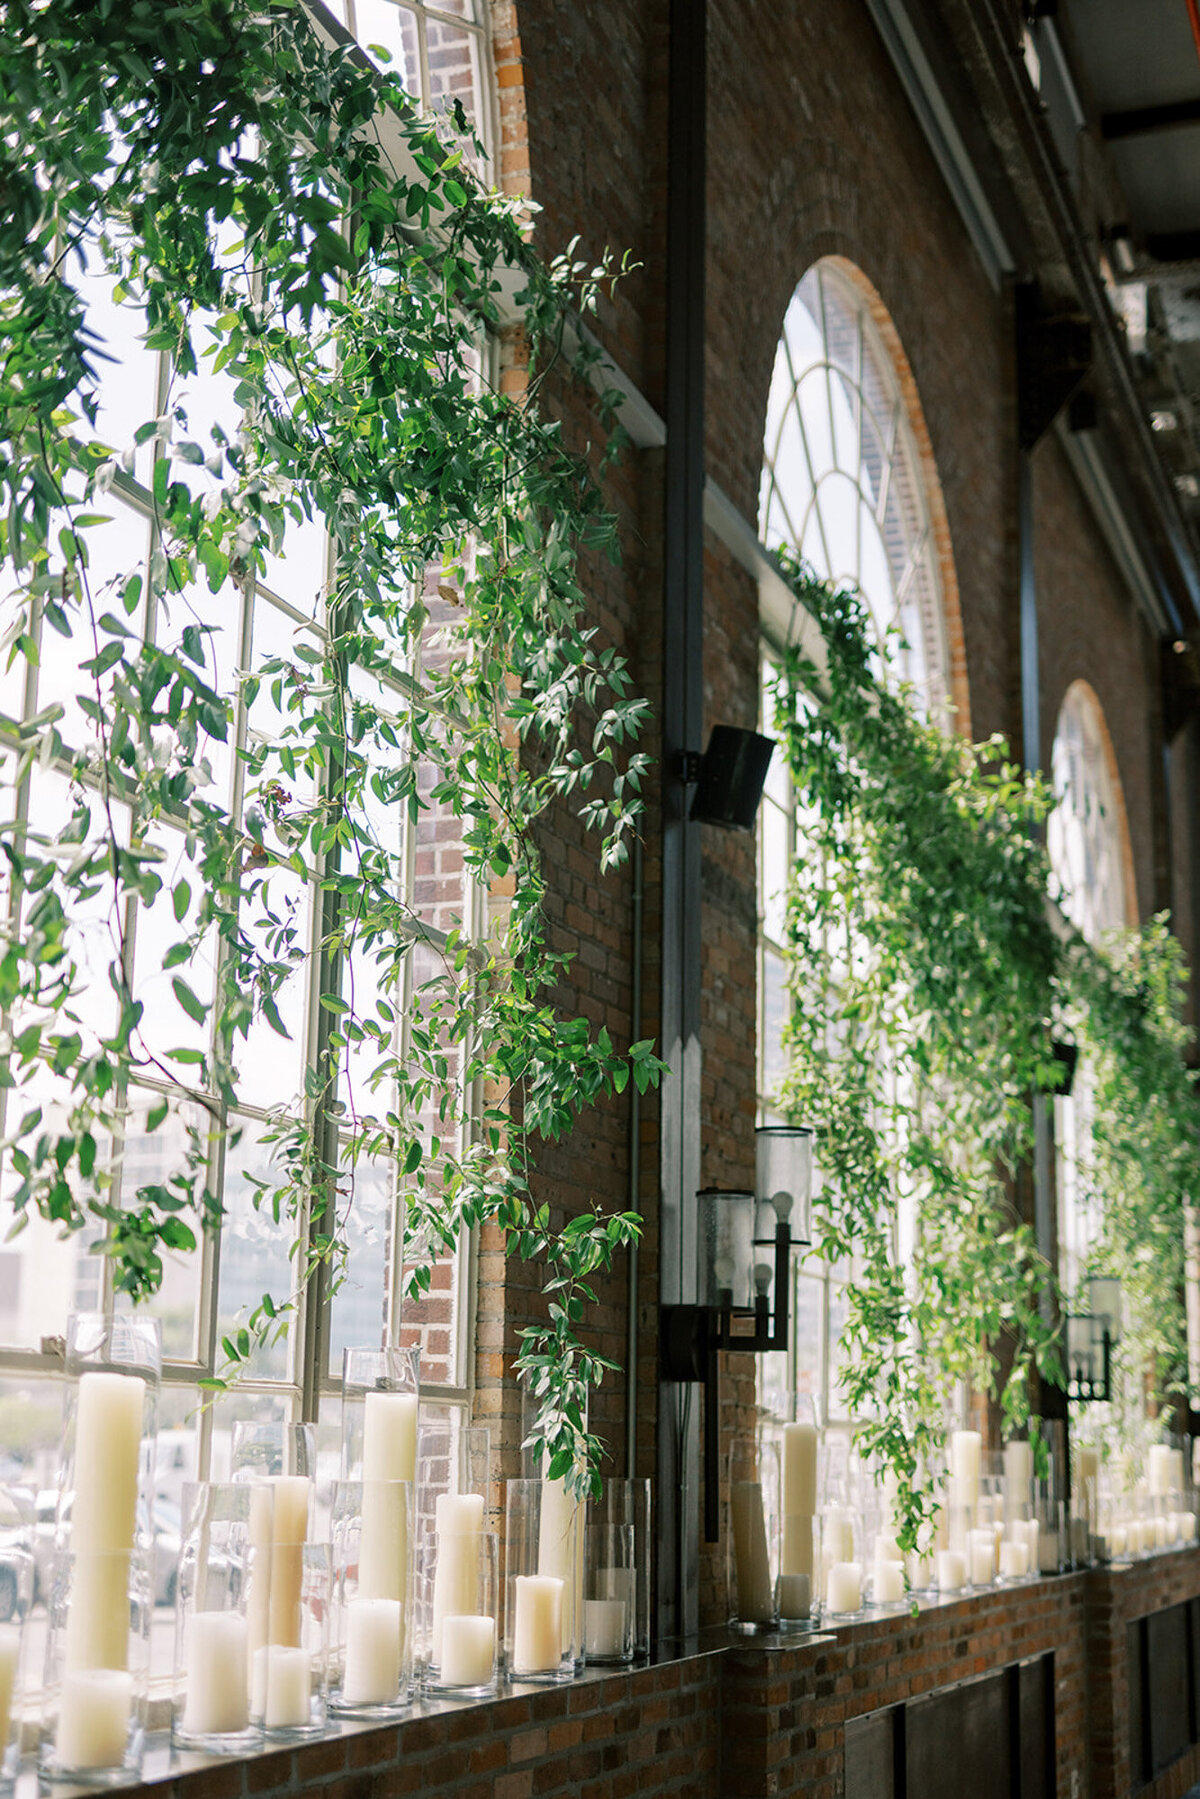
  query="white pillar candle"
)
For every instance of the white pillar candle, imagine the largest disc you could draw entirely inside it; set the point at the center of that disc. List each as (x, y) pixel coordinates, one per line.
(1187, 1526)
(799, 1471)
(1025, 1530)
(844, 1590)
(1177, 1470)
(750, 1559)
(10, 1649)
(390, 1436)
(887, 1549)
(281, 1693)
(217, 1695)
(796, 1551)
(839, 1537)
(383, 1544)
(560, 1551)
(1117, 1541)
(966, 1447)
(289, 1532)
(1158, 1469)
(951, 1570)
(795, 1595)
(538, 1625)
(889, 1582)
(94, 1710)
(922, 1571)
(1014, 1560)
(374, 1641)
(604, 1628)
(1018, 1471)
(1160, 1532)
(459, 1525)
(983, 1557)
(468, 1651)
(108, 1443)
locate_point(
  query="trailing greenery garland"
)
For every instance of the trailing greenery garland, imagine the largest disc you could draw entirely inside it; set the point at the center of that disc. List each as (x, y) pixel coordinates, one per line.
(926, 970)
(229, 171)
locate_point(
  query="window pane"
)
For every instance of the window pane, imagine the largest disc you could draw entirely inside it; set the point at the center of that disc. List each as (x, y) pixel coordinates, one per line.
(359, 1312)
(254, 1249)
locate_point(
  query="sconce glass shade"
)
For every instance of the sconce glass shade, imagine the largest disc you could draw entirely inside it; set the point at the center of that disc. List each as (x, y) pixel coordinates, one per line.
(724, 1247)
(1085, 1351)
(1104, 1299)
(783, 1178)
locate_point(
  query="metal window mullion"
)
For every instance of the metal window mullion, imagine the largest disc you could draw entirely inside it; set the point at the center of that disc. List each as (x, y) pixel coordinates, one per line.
(208, 1301)
(402, 1040)
(327, 915)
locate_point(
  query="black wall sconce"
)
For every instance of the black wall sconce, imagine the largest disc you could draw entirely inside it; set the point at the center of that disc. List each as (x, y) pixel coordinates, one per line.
(1091, 1338)
(743, 1262)
(728, 777)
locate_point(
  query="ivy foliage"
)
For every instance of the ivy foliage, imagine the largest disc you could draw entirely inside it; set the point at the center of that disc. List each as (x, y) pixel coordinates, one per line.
(929, 972)
(276, 212)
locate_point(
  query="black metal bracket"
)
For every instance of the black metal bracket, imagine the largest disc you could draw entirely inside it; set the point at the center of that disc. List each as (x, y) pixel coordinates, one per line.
(690, 764)
(692, 1337)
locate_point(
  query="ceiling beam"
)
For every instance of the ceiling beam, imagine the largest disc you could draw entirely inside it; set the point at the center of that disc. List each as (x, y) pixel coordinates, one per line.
(1142, 121)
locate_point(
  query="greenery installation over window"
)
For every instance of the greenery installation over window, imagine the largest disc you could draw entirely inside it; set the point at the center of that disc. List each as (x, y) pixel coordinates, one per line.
(276, 209)
(928, 972)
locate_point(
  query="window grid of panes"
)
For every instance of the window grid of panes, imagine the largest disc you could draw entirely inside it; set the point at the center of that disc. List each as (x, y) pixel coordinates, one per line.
(842, 486)
(1088, 854)
(207, 1294)
(441, 53)
(842, 483)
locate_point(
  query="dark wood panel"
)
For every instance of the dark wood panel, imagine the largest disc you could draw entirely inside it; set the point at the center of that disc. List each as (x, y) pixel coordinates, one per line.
(960, 1741)
(870, 1756)
(1035, 1728)
(1139, 1740)
(1168, 1686)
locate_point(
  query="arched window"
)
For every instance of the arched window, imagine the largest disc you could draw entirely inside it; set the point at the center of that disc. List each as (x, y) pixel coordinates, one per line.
(1087, 839)
(848, 483)
(1087, 835)
(843, 483)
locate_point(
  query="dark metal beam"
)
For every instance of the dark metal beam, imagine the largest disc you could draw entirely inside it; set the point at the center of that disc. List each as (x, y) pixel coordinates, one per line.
(682, 716)
(1142, 121)
(1174, 246)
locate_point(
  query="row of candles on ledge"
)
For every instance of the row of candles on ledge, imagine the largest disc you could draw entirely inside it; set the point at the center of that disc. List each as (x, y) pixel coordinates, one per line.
(275, 1629)
(793, 1563)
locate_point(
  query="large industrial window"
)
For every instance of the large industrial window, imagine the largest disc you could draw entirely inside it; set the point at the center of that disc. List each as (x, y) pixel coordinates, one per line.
(844, 486)
(43, 1276)
(1088, 843)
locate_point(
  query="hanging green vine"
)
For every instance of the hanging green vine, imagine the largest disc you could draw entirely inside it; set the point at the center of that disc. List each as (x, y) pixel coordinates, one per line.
(926, 970)
(228, 175)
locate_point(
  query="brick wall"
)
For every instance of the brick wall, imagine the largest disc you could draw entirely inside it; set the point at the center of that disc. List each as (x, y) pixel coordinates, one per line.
(760, 1718)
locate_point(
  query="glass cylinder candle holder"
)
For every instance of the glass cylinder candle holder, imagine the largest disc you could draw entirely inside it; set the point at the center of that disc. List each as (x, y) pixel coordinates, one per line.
(269, 1449)
(798, 1588)
(841, 1563)
(459, 1587)
(752, 1551)
(288, 1675)
(610, 1593)
(113, 1368)
(1050, 1517)
(541, 1525)
(371, 1646)
(16, 1597)
(454, 1456)
(222, 1607)
(379, 1413)
(981, 1556)
(94, 1692)
(627, 1501)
